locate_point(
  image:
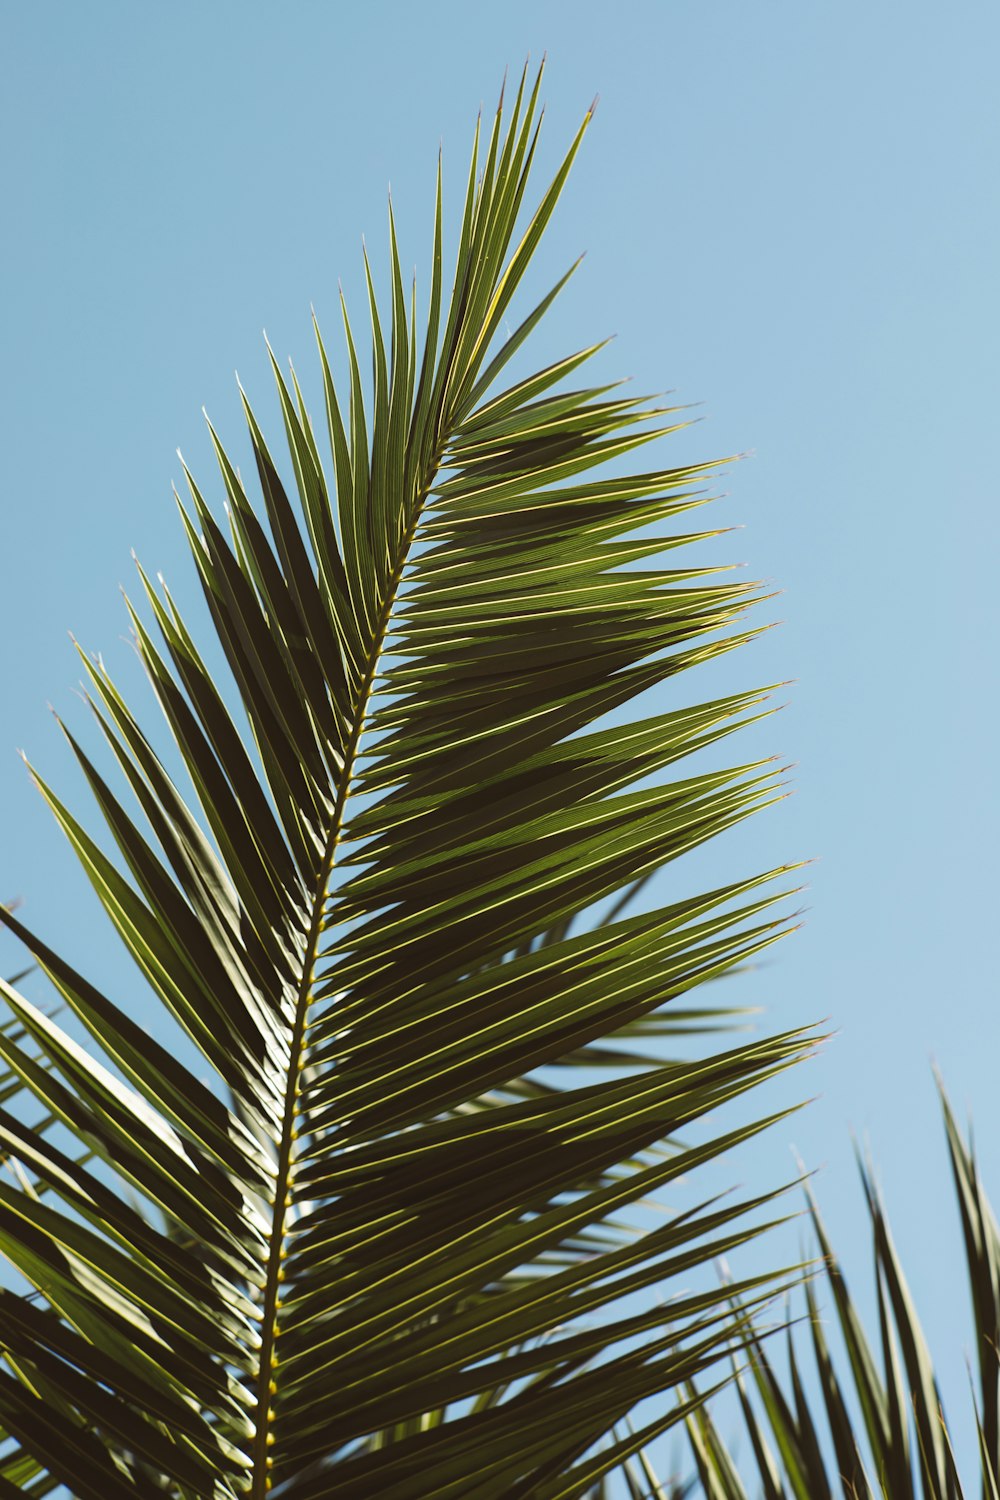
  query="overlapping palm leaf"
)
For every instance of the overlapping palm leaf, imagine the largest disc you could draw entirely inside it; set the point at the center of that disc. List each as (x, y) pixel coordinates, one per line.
(856, 1420)
(379, 1250)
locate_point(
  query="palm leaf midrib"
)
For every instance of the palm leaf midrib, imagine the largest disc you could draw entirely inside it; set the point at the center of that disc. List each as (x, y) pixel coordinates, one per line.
(270, 1297)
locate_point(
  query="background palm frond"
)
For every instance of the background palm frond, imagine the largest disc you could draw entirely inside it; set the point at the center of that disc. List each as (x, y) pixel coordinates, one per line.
(866, 1422)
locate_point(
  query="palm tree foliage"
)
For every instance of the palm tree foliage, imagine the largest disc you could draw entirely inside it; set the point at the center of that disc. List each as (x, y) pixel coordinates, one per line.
(381, 1249)
(867, 1422)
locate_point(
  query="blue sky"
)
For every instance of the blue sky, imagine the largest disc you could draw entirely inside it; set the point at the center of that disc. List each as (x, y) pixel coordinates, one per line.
(791, 216)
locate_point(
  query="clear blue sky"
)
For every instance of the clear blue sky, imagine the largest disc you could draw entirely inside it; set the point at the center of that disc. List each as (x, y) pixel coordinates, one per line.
(792, 216)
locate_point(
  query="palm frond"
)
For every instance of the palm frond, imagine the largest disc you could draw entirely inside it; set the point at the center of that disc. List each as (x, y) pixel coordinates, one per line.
(870, 1423)
(383, 1240)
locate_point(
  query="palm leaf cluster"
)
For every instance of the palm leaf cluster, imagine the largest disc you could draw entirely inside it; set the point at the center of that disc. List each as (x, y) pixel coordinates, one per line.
(361, 1230)
(865, 1422)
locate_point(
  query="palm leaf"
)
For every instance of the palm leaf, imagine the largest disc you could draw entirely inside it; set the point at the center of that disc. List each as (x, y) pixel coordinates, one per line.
(869, 1425)
(385, 1240)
